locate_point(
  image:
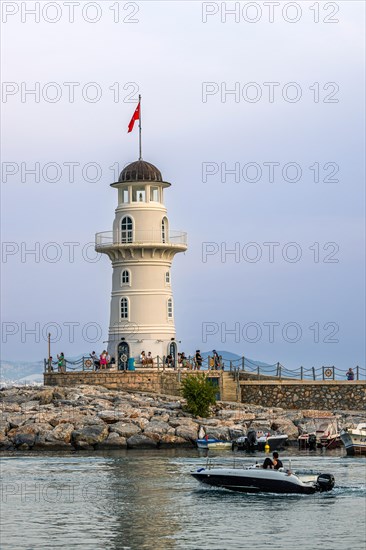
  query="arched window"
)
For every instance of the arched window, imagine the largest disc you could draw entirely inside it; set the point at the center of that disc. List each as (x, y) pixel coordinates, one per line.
(170, 308)
(126, 230)
(167, 277)
(124, 308)
(164, 230)
(125, 278)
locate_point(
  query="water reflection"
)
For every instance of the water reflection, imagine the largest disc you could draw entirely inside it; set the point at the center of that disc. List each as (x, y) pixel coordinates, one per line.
(146, 499)
(142, 502)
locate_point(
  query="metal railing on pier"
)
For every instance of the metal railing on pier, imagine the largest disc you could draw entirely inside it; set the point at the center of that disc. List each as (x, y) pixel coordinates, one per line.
(241, 368)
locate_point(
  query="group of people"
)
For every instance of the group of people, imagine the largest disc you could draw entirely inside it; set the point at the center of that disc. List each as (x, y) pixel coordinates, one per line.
(184, 362)
(103, 361)
(61, 363)
(146, 359)
(274, 463)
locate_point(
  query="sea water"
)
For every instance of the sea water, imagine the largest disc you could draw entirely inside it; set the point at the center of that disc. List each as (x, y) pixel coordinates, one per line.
(147, 499)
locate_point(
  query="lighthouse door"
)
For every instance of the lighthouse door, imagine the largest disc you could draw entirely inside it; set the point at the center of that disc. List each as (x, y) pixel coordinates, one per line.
(123, 355)
(173, 352)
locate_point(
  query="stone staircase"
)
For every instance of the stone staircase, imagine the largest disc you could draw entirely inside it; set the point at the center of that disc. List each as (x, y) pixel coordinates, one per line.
(229, 388)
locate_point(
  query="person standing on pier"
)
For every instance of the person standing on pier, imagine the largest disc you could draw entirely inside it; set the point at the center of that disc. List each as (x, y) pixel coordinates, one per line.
(197, 360)
(350, 375)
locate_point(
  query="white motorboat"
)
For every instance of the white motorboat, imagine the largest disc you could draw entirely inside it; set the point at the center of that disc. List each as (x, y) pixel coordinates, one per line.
(255, 479)
(354, 439)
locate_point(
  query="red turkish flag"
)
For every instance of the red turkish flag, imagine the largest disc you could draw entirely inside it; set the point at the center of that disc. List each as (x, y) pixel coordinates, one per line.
(135, 116)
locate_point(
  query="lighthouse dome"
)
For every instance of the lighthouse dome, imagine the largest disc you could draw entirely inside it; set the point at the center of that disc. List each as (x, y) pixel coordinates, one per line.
(140, 170)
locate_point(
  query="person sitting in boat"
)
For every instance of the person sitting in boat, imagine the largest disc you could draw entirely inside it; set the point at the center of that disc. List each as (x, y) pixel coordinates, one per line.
(276, 463)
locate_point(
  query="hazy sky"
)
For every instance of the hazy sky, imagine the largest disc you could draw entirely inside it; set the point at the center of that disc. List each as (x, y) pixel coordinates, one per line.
(291, 131)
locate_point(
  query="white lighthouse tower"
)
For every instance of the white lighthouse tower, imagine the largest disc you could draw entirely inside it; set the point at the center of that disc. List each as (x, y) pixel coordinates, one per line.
(141, 248)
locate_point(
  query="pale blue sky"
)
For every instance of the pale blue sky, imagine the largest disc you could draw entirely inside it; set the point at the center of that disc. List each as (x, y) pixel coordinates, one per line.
(169, 53)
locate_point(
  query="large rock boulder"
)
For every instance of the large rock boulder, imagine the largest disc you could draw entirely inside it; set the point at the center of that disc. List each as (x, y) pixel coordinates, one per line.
(25, 436)
(236, 431)
(62, 432)
(5, 443)
(89, 436)
(187, 431)
(141, 441)
(111, 416)
(4, 426)
(140, 422)
(285, 426)
(170, 405)
(113, 441)
(125, 429)
(32, 405)
(170, 440)
(45, 396)
(161, 417)
(16, 420)
(157, 427)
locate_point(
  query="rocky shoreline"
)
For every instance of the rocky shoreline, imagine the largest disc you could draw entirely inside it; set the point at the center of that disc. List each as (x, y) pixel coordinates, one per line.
(93, 418)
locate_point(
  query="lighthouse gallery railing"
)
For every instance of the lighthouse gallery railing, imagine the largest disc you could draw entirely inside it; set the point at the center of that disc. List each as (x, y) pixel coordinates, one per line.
(108, 238)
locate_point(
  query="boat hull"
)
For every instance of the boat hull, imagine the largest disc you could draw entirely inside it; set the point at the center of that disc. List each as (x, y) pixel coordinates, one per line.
(249, 481)
(213, 444)
(330, 442)
(275, 443)
(355, 444)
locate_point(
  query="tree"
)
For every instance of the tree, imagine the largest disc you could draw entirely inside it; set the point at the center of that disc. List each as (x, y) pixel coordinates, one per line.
(200, 393)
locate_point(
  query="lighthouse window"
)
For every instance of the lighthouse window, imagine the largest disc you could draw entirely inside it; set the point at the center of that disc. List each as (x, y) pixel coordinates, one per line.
(154, 194)
(170, 308)
(124, 308)
(139, 194)
(167, 278)
(126, 230)
(125, 195)
(125, 278)
(163, 230)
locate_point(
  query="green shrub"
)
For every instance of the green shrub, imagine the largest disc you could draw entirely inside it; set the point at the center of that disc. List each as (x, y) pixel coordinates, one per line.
(200, 393)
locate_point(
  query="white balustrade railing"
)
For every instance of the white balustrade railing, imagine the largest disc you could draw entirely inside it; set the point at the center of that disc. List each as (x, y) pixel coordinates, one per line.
(108, 238)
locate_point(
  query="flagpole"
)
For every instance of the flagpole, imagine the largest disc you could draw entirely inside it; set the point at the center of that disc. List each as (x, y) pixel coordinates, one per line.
(140, 148)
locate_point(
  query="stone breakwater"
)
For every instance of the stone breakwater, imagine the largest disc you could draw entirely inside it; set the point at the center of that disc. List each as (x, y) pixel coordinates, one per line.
(94, 417)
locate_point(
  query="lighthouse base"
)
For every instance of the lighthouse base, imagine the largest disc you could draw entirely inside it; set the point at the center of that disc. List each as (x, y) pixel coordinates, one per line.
(156, 350)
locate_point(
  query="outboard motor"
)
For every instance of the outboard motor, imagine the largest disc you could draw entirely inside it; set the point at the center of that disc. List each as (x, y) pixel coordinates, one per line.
(251, 439)
(325, 482)
(312, 442)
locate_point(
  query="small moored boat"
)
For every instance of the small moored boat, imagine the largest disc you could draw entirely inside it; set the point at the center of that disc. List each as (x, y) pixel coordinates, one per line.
(321, 432)
(257, 441)
(212, 443)
(354, 439)
(255, 479)
(275, 442)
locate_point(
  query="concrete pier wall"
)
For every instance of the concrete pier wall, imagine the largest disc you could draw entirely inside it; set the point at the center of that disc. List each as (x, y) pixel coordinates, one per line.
(288, 394)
